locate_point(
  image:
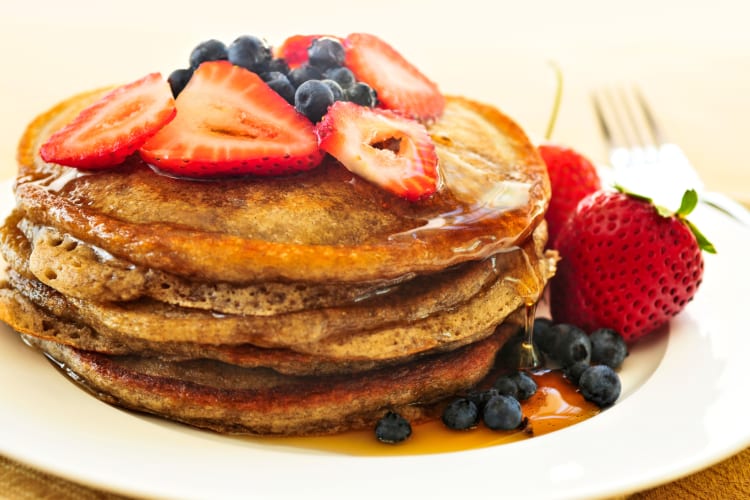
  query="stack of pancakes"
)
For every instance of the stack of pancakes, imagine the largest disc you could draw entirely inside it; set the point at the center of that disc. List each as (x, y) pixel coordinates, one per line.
(305, 304)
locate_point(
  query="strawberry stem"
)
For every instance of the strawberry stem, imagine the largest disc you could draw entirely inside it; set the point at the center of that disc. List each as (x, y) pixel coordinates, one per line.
(558, 100)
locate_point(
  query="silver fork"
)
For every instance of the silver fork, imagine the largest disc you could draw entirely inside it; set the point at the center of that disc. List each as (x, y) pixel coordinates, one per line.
(643, 160)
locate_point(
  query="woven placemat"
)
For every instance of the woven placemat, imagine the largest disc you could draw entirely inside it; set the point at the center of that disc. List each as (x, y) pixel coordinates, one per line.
(728, 480)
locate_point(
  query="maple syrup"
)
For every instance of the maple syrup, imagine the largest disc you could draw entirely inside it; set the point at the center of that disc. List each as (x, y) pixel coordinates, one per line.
(556, 405)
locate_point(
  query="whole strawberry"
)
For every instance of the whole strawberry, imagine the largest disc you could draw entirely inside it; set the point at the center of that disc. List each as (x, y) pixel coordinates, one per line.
(571, 175)
(626, 264)
(572, 178)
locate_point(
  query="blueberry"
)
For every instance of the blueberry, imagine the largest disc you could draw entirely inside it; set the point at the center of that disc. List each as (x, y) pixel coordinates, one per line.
(600, 385)
(542, 335)
(526, 385)
(303, 73)
(210, 50)
(279, 65)
(343, 76)
(280, 84)
(480, 398)
(570, 345)
(392, 428)
(250, 52)
(502, 413)
(326, 53)
(362, 94)
(178, 79)
(506, 386)
(608, 348)
(336, 90)
(312, 99)
(573, 372)
(461, 414)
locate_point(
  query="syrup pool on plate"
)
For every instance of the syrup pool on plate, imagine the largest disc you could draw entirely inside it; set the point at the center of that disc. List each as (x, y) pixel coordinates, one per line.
(556, 405)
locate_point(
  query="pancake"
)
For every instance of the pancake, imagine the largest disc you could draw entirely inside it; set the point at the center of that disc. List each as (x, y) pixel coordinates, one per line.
(33, 321)
(78, 270)
(155, 321)
(228, 399)
(323, 225)
(293, 305)
(518, 276)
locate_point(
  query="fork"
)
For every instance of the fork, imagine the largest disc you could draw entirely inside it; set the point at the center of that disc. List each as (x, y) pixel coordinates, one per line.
(642, 158)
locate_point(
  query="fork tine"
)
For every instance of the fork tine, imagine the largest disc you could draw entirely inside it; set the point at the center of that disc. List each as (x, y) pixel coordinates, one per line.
(602, 121)
(613, 127)
(627, 125)
(633, 118)
(656, 131)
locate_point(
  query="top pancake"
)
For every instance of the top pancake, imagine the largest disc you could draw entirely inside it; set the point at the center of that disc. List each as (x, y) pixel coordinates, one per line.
(323, 225)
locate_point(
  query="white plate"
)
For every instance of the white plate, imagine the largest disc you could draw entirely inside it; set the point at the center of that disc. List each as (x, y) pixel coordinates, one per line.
(683, 408)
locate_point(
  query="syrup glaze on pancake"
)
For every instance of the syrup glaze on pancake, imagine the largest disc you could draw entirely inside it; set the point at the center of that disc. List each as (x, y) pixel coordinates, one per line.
(322, 225)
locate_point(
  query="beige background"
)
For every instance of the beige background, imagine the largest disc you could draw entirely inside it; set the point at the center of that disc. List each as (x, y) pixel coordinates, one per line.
(692, 59)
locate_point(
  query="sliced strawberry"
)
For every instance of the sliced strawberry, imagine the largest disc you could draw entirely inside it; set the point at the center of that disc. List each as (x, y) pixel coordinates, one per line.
(114, 127)
(294, 49)
(387, 149)
(400, 85)
(230, 122)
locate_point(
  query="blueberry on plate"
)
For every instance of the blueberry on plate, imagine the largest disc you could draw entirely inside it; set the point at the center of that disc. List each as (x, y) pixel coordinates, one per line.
(326, 53)
(210, 50)
(502, 413)
(480, 398)
(392, 428)
(506, 386)
(461, 414)
(573, 372)
(608, 348)
(600, 385)
(250, 52)
(526, 385)
(571, 344)
(312, 99)
(542, 335)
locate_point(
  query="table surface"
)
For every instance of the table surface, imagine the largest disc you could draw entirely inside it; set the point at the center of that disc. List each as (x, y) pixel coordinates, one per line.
(690, 59)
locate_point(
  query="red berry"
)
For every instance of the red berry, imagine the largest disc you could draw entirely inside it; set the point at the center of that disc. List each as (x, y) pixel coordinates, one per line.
(230, 122)
(114, 127)
(399, 84)
(624, 265)
(572, 177)
(394, 152)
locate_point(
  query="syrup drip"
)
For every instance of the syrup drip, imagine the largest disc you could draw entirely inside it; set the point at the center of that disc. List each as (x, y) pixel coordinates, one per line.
(528, 357)
(556, 405)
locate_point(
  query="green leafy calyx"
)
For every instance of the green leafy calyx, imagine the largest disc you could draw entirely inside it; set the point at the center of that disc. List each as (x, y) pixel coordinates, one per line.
(687, 205)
